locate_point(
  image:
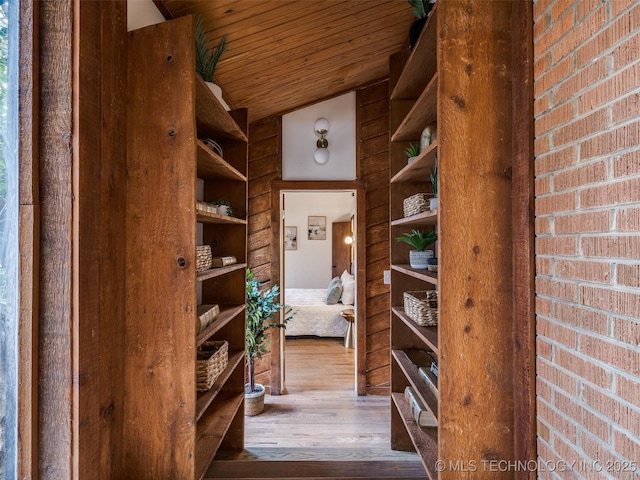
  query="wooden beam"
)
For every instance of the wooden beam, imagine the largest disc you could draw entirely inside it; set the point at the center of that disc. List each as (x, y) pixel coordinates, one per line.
(57, 412)
(523, 236)
(29, 238)
(476, 266)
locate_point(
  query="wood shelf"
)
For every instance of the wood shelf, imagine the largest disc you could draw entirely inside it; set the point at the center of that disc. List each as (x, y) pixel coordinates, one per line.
(424, 218)
(205, 398)
(426, 396)
(212, 428)
(421, 64)
(423, 113)
(429, 335)
(218, 272)
(212, 166)
(424, 275)
(425, 439)
(212, 120)
(204, 216)
(227, 313)
(420, 169)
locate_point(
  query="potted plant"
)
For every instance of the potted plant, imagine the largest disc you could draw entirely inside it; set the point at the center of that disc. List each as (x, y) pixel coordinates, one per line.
(412, 151)
(260, 309)
(433, 203)
(421, 9)
(419, 240)
(223, 207)
(207, 59)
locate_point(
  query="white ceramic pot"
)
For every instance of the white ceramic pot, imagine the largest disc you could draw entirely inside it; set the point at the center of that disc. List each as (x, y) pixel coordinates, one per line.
(433, 203)
(420, 259)
(217, 91)
(223, 210)
(253, 401)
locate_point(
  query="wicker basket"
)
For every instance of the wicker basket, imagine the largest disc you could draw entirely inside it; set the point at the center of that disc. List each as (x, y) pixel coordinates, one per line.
(416, 204)
(422, 307)
(203, 257)
(212, 359)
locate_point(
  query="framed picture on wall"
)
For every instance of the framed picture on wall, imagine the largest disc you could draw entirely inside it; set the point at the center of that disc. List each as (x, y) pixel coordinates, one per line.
(290, 238)
(317, 228)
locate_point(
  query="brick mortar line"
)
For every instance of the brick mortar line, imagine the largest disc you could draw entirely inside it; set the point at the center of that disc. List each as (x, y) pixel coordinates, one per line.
(613, 315)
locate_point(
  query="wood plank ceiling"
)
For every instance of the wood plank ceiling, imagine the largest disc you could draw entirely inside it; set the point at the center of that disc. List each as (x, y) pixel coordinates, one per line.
(286, 54)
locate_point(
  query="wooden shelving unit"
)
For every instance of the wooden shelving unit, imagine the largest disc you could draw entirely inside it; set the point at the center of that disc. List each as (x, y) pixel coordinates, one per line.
(176, 431)
(413, 107)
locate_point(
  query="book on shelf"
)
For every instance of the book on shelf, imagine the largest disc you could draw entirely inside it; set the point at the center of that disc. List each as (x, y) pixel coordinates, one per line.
(421, 358)
(422, 416)
(223, 261)
(430, 379)
(207, 313)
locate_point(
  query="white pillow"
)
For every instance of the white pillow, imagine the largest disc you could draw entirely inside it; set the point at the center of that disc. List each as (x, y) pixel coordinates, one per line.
(348, 288)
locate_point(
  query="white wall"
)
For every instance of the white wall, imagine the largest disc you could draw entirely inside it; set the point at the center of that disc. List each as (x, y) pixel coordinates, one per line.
(299, 141)
(310, 265)
(141, 13)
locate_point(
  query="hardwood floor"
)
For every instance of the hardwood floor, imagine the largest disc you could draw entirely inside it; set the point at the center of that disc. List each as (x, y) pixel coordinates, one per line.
(320, 428)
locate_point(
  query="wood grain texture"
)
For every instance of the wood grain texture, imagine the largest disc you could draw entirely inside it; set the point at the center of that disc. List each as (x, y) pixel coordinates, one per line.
(113, 106)
(475, 268)
(56, 156)
(29, 239)
(523, 236)
(373, 169)
(159, 433)
(279, 50)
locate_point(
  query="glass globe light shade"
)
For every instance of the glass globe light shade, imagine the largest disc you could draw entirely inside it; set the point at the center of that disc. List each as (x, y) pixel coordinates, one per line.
(321, 156)
(321, 125)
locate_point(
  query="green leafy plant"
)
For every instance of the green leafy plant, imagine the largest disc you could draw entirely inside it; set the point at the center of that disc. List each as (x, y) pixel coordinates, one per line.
(261, 307)
(207, 59)
(220, 203)
(413, 150)
(421, 8)
(434, 179)
(418, 239)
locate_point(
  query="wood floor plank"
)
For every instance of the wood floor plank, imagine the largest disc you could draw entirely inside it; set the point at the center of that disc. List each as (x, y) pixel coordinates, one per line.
(320, 428)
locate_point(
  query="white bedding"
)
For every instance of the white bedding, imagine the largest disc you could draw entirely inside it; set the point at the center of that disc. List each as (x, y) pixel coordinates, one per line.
(312, 315)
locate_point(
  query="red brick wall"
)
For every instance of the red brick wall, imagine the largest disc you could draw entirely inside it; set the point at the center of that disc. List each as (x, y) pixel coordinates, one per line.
(587, 183)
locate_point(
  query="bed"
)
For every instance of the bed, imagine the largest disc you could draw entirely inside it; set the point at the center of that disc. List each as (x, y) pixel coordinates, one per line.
(312, 316)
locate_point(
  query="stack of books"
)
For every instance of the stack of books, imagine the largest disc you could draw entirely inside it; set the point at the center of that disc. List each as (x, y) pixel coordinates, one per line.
(223, 261)
(427, 363)
(206, 315)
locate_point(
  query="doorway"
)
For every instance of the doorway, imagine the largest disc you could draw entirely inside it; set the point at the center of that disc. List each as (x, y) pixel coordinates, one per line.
(318, 273)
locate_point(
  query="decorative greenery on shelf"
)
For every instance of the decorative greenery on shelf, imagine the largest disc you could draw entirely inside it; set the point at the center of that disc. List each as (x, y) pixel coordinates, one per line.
(220, 203)
(434, 178)
(413, 150)
(207, 59)
(421, 8)
(418, 239)
(261, 306)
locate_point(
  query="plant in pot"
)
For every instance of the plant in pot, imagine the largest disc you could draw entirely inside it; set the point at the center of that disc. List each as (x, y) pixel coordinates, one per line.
(412, 151)
(421, 9)
(207, 59)
(261, 307)
(419, 240)
(223, 207)
(433, 203)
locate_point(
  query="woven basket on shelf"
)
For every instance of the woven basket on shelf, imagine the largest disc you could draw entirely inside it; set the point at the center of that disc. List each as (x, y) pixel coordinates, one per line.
(212, 359)
(206, 207)
(422, 307)
(203, 257)
(416, 204)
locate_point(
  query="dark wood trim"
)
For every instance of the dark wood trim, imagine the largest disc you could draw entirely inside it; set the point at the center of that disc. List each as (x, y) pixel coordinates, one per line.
(163, 9)
(277, 186)
(29, 235)
(523, 235)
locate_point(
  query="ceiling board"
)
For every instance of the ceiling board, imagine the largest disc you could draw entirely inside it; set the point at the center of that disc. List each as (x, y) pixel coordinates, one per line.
(285, 55)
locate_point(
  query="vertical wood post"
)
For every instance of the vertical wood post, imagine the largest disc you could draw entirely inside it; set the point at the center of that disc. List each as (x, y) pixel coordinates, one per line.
(475, 279)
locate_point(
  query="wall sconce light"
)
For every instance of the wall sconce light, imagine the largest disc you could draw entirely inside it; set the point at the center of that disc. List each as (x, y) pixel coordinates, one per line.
(348, 239)
(321, 155)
